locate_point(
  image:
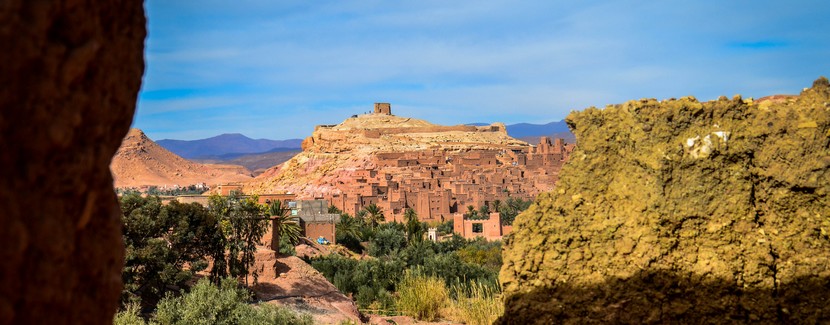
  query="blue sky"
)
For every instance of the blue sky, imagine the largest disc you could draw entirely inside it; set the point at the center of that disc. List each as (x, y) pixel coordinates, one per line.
(275, 69)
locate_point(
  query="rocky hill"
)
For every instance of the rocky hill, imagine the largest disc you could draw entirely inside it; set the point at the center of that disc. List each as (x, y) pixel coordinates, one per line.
(333, 151)
(679, 211)
(140, 161)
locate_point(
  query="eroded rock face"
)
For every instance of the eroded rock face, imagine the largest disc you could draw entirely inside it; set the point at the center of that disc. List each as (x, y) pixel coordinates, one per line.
(681, 211)
(69, 78)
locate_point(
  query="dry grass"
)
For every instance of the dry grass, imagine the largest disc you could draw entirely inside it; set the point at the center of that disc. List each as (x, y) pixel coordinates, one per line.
(475, 304)
(428, 298)
(422, 297)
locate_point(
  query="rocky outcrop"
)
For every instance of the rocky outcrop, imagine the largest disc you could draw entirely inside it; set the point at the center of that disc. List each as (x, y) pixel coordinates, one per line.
(290, 282)
(681, 211)
(141, 162)
(70, 75)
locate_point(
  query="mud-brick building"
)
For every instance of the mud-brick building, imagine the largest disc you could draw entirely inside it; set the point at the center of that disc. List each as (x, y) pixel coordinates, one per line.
(315, 221)
(490, 229)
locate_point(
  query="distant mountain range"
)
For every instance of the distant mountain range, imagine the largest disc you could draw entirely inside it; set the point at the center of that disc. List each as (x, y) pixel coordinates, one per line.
(257, 154)
(227, 146)
(522, 130)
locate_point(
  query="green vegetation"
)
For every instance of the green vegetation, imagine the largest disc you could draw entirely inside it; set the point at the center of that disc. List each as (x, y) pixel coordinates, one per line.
(243, 223)
(446, 228)
(156, 191)
(373, 215)
(482, 252)
(422, 297)
(349, 232)
(397, 249)
(207, 303)
(285, 226)
(475, 304)
(508, 210)
(162, 240)
(167, 244)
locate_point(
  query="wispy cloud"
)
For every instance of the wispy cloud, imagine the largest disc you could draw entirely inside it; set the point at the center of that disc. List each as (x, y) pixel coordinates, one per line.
(759, 45)
(232, 66)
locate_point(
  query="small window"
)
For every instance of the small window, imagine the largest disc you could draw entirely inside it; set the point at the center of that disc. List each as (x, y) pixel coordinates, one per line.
(478, 228)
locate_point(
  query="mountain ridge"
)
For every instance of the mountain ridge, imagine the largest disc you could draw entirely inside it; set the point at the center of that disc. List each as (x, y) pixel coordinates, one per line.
(223, 144)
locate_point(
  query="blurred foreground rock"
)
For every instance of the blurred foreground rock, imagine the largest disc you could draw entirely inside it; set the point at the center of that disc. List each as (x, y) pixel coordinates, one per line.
(70, 72)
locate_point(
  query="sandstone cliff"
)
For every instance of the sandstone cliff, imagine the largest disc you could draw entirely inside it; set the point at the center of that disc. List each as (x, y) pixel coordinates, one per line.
(140, 161)
(681, 211)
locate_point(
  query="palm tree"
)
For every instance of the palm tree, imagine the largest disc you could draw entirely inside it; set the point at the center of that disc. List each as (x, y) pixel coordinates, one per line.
(472, 213)
(496, 206)
(282, 225)
(348, 227)
(361, 216)
(374, 215)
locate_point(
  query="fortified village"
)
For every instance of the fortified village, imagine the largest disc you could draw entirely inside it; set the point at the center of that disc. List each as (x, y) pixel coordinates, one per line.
(399, 163)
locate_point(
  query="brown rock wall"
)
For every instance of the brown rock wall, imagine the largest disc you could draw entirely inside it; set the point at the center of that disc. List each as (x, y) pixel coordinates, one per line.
(69, 78)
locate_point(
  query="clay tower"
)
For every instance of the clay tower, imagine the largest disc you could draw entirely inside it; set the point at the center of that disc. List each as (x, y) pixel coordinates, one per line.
(383, 108)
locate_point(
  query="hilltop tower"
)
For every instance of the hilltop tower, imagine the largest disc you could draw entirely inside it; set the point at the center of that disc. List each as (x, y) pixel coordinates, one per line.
(383, 108)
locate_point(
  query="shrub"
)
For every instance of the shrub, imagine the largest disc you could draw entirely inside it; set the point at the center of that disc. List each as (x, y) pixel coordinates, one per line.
(129, 316)
(388, 239)
(453, 270)
(421, 297)
(483, 253)
(226, 304)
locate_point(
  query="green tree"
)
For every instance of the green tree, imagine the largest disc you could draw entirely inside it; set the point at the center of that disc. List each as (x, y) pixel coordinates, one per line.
(348, 226)
(283, 225)
(484, 212)
(389, 238)
(414, 228)
(165, 245)
(446, 228)
(495, 205)
(374, 215)
(510, 208)
(334, 209)
(243, 223)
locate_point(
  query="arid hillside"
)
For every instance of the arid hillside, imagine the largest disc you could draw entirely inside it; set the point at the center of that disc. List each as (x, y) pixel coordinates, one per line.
(680, 211)
(332, 152)
(140, 161)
